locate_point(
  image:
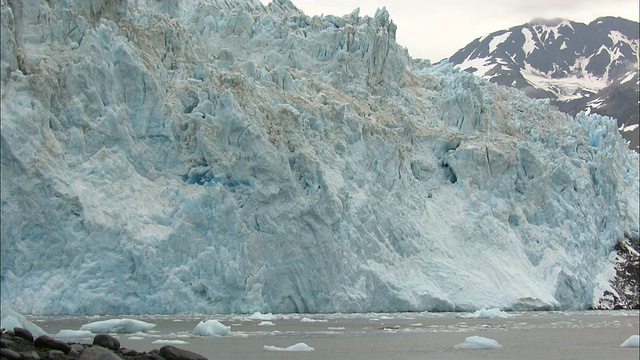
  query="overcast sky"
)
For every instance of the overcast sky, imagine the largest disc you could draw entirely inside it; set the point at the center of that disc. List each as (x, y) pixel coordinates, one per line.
(434, 30)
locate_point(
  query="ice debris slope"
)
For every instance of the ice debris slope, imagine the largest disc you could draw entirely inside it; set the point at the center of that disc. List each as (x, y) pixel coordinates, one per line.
(225, 156)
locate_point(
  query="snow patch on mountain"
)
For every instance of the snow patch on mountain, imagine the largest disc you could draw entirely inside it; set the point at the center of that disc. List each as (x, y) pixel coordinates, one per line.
(629, 77)
(497, 40)
(529, 45)
(481, 66)
(567, 88)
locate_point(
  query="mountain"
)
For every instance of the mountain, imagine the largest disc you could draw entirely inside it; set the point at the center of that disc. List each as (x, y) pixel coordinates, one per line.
(580, 67)
(224, 156)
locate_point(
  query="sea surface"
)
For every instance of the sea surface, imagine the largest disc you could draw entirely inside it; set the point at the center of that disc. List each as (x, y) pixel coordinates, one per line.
(523, 335)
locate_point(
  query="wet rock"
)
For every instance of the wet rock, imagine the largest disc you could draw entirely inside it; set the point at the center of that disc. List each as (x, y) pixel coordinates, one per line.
(129, 352)
(9, 354)
(173, 353)
(30, 355)
(153, 355)
(45, 347)
(23, 333)
(74, 354)
(46, 341)
(98, 353)
(107, 341)
(57, 355)
(6, 343)
(79, 348)
(22, 346)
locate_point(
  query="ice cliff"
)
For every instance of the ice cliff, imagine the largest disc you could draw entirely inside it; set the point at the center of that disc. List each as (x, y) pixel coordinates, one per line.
(225, 156)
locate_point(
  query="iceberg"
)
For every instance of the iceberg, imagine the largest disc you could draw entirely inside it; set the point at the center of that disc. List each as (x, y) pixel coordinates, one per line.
(295, 347)
(117, 326)
(170, 342)
(11, 319)
(225, 156)
(306, 319)
(211, 327)
(632, 342)
(74, 334)
(478, 342)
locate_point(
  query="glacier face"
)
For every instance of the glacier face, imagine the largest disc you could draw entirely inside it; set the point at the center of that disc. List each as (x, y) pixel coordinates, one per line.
(226, 156)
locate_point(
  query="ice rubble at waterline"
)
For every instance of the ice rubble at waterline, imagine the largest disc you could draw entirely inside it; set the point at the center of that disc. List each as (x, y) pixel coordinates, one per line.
(219, 157)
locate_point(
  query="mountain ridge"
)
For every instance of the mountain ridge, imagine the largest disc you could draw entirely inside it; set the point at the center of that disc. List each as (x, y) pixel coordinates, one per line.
(578, 66)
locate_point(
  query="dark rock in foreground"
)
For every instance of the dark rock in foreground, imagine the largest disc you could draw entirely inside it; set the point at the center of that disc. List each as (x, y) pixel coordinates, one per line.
(97, 352)
(107, 341)
(48, 342)
(17, 345)
(10, 354)
(173, 353)
(23, 333)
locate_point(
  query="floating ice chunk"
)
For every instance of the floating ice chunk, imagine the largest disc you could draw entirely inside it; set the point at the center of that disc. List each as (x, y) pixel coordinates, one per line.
(478, 342)
(74, 334)
(494, 313)
(296, 347)
(306, 319)
(118, 326)
(632, 341)
(11, 319)
(211, 327)
(260, 316)
(266, 323)
(175, 342)
(135, 338)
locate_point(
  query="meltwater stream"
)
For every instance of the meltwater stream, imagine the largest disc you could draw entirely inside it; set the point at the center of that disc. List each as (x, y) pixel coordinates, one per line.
(523, 335)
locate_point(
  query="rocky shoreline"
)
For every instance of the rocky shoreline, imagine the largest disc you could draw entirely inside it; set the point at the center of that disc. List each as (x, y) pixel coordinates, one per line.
(20, 344)
(625, 286)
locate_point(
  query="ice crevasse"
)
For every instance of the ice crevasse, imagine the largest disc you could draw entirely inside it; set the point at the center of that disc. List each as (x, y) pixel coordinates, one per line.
(235, 157)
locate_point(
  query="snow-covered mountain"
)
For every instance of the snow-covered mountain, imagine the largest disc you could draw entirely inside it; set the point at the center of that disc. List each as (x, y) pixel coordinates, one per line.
(225, 156)
(580, 67)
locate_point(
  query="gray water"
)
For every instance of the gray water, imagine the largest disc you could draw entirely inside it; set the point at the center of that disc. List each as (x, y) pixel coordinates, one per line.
(525, 335)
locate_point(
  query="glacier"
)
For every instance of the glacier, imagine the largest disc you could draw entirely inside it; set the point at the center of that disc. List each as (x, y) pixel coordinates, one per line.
(225, 156)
